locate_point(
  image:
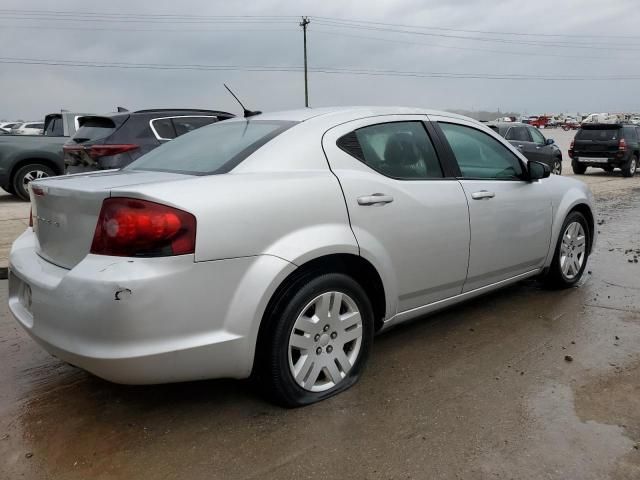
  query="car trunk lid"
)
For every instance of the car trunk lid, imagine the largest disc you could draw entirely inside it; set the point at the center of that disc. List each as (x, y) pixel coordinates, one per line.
(65, 210)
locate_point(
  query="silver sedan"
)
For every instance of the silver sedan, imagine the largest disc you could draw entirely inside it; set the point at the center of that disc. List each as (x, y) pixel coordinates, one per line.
(277, 246)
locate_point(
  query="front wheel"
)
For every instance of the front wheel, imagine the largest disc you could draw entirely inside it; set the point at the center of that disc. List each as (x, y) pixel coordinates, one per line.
(318, 342)
(26, 174)
(557, 166)
(629, 169)
(571, 253)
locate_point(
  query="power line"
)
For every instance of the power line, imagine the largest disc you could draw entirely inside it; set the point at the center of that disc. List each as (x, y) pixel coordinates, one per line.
(488, 32)
(455, 47)
(327, 70)
(479, 39)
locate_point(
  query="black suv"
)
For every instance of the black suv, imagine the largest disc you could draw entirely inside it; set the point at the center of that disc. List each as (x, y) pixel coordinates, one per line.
(531, 142)
(115, 140)
(606, 146)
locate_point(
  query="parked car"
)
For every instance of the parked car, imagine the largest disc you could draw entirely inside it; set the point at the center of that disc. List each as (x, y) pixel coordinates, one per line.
(278, 245)
(607, 146)
(115, 140)
(532, 143)
(4, 131)
(8, 125)
(570, 124)
(23, 158)
(28, 128)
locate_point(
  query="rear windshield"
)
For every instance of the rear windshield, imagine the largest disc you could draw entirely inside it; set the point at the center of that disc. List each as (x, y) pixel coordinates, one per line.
(94, 128)
(598, 134)
(216, 148)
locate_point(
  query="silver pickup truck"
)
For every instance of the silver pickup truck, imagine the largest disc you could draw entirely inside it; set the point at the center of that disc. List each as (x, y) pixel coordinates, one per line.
(26, 157)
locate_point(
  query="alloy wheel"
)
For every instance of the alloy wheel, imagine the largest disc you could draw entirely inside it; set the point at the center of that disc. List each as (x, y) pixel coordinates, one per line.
(33, 175)
(557, 167)
(325, 341)
(573, 250)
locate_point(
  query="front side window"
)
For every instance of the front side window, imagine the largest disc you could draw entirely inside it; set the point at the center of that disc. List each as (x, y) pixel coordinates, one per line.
(401, 150)
(537, 136)
(214, 149)
(479, 155)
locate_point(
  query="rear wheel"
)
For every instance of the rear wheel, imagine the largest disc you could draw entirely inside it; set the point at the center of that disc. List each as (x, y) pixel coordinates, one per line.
(571, 254)
(557, 166)
(629, 169)
(319, 339)
(578, 168)
(26, 174)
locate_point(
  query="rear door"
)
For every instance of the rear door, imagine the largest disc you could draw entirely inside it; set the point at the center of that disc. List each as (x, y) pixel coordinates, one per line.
(409, 215)
(519, 137)
(510, 217)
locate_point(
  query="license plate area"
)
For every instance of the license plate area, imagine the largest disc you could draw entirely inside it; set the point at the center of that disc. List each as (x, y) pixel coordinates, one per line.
(21, 299)
(593, 159)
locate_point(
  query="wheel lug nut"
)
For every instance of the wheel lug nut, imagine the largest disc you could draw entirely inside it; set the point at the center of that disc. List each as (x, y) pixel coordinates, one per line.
(317, 337)
(326, 327)
(334, 335)
(329, 349)
(319, 350)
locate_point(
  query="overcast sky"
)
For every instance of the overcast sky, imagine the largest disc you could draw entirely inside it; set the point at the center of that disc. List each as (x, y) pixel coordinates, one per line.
(590, 42)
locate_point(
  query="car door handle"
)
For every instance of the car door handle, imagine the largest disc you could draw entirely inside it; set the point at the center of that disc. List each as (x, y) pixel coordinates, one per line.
(482, 195)
(375, 199)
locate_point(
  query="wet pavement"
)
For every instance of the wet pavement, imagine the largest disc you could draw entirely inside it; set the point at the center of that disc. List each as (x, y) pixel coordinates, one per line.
(483, 390)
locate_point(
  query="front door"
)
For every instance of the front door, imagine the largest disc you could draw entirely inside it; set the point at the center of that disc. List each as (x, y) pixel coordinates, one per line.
(409, 218)
(510, 217)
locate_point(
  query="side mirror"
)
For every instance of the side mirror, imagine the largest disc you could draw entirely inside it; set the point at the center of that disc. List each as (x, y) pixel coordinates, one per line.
(550, 141)
(538, 170)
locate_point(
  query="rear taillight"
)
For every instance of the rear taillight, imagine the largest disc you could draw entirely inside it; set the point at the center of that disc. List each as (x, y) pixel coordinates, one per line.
(97, 151)
(622, 145)
(571, 148)
(129, 227)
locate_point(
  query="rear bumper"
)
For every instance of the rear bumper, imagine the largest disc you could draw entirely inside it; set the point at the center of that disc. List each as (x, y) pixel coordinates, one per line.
(600, 160)
(141, 321)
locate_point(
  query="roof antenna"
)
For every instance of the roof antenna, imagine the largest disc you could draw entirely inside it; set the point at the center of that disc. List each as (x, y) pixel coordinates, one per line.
(246, 113)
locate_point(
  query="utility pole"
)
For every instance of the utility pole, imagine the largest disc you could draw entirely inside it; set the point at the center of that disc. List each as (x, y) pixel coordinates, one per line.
(303, 24)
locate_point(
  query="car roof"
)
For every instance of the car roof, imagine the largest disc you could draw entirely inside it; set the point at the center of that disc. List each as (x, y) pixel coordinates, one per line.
(345, 113)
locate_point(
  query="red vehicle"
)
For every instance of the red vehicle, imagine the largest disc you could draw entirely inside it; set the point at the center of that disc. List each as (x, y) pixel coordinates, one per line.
(540, 122)
(570, 125)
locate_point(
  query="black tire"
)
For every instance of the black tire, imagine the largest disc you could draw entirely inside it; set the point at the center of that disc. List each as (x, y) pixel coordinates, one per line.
(578, 168)
(273, 371)
(607, 169)
(20, 178)
(555, 278)
(629, 169)
(557, 166)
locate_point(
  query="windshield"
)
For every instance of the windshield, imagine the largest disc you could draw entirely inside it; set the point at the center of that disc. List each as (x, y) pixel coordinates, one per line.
(216, 148)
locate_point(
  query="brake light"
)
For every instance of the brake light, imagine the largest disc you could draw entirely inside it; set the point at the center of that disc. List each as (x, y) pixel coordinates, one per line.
(622, 145)
(128, 227)
(571, 148)
(97, 151)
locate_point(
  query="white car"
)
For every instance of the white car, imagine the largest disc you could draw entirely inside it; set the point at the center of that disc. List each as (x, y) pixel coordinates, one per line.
(28, 128)
(9, 125)
(279, 244)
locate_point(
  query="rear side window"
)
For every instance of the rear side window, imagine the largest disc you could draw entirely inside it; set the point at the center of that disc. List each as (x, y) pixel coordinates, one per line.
(163, 128)
(55, 127)
(187, 124)
(34, 125)
(214, 149)
(537, 136)
(518, 134)
(479, 155)
(401, 150)
(630, 134)
(598, 134)
(94, 128)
